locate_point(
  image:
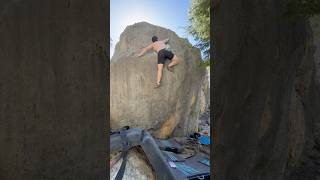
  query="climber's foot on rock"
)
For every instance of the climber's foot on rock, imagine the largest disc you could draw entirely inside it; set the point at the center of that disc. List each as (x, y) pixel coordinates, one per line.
(170, 68)
(157, 85)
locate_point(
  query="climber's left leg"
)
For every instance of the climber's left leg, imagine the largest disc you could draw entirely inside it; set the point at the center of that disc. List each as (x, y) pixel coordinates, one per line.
(159, 74)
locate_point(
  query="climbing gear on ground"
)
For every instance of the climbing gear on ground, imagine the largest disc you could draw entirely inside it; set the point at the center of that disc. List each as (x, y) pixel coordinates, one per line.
(202, 176)
(205, 161)
(186, 170)
(205, 140)
(170, 145)
(139, 137)
(192, 144)
(115, 159)
(125, 148)
(195, 135)
(164, 167)
(173, 157)
(172, 164)
(171, 149)
(118, 132)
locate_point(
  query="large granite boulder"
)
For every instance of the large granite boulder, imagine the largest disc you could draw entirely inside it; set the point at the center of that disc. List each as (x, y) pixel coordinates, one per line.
(266, 96)
(174, 107)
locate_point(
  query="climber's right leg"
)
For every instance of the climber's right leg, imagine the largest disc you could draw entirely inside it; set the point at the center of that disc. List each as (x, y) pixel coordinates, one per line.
(174, 61)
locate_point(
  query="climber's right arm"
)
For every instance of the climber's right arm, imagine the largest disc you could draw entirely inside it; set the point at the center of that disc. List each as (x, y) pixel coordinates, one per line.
(144, 50)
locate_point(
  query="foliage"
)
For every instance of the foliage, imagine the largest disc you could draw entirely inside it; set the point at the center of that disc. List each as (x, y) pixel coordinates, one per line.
(199, 16)
(204, 63)
(303, 8)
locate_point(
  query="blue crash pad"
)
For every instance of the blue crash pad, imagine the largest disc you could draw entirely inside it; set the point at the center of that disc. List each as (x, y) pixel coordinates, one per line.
(204, 140)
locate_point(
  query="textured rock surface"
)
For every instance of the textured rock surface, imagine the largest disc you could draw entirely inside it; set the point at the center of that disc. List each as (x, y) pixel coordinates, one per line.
(137, 167)
(266, 99)
(308, 166)
(53, 89)
(174, 107)
(315, 25)
(205, 92)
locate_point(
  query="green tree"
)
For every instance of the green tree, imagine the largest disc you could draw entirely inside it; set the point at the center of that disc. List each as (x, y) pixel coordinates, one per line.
(199, 17)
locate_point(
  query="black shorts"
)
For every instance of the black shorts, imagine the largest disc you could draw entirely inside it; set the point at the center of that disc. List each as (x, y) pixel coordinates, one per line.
(164, 54)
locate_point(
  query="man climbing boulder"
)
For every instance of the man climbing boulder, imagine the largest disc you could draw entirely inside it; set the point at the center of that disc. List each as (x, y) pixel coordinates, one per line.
(163, 55)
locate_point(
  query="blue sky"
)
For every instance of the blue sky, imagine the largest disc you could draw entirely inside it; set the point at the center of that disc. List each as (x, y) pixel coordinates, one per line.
(171, 14)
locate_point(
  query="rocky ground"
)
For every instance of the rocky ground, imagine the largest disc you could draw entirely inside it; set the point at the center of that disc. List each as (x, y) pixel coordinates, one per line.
(138, 165)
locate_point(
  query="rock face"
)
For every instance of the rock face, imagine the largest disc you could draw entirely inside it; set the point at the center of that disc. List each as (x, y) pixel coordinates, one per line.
(53, 89)
(205, 92)
(174, 107)
(308, 164)
(266, 96)
(315, 25)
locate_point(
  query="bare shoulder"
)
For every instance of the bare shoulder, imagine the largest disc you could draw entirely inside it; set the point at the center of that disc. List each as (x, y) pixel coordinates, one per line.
(150, 46)
(165, 41)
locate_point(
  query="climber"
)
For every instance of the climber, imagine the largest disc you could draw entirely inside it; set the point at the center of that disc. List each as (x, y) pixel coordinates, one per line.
(163, 55)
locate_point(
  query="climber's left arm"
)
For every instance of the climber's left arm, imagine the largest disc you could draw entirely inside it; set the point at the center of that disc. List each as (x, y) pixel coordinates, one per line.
(144, 50)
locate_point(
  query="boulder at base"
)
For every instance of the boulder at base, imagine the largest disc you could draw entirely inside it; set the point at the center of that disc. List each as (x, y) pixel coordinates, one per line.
(171, 109)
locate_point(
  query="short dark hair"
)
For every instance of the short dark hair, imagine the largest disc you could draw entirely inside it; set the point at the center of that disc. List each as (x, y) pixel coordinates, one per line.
(154, 38)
